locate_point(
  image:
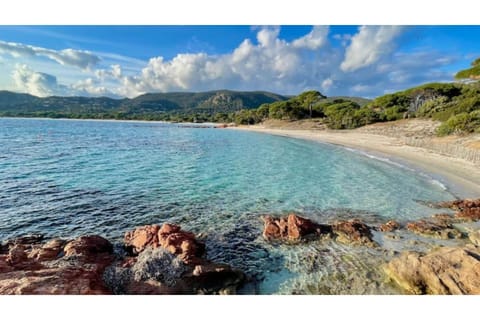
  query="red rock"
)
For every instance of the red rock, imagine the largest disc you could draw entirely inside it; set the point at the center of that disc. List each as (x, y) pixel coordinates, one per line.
(170, 237)
(291, 228)
(353, 232)
(48, 251)
(40, 268)
(442, 229)
(299, 227)
(389, 226)
(88, 246)
(471, 214)
(271, 229)
(142, 237)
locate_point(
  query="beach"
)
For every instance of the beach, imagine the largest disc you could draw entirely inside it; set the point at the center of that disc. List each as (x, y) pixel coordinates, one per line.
(462, 177)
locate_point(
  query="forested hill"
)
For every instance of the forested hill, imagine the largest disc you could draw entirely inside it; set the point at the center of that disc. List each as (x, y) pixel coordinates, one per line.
(151, 106)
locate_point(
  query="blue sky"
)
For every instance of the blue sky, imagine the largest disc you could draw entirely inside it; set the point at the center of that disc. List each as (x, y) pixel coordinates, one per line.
(121, 61)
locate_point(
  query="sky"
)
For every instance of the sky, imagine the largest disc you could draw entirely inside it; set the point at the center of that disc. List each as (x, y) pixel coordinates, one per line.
(126, 61)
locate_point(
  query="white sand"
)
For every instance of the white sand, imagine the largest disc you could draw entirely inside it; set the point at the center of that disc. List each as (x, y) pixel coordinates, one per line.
(462, 177)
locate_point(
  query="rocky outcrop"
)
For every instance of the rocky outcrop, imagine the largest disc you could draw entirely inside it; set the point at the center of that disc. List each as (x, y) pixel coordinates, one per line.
(170, 261)
(438, 228)
(353, 232)
(292, 228)
(55, 267)
(442, 271)
(389, 226)
(467, 209)
(169, 237)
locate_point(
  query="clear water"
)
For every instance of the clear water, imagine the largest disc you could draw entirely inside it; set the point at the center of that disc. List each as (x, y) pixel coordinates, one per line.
(65, 178)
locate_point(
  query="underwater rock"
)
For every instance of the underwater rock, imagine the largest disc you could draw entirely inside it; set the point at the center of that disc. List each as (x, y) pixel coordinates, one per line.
(442, 271)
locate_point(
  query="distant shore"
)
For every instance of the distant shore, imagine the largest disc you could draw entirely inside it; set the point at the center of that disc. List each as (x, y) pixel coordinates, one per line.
(460, 176)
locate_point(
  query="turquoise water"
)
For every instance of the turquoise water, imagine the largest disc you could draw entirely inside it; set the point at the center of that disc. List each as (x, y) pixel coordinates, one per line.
(66, 178)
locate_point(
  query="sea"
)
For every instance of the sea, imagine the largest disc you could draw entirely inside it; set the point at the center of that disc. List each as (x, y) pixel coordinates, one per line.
(66, 178)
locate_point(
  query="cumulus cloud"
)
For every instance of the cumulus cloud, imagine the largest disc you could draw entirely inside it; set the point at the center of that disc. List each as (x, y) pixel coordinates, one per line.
(368, 46)
(42, 84)
(313, 40)
(367, 66)
(37, 83)
(270, 64)
(77, 58)
(115, 72)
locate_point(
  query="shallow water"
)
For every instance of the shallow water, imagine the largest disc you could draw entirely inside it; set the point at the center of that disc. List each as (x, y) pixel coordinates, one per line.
(66, 178)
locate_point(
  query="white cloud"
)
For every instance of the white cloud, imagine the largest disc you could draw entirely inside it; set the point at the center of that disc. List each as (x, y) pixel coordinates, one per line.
(90, 87)
(368, 46)
(115, 72)
(313, 40)
(36, 83)
(271, 64)
(327, 83)
(78, 58)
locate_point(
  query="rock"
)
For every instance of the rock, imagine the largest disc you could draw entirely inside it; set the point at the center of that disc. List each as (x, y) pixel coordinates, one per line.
(460, 204)
(470, 214)
(168, 236)
(436, 229)
(48, 251)
(389, 226)
(142, 237)
(353, 232)
(442, 271)
(160, 265)
(292, 228)
(17, 255)
(474, 237)
(88, 246)
(61, 280)
(467, 209)
(43, 269)
(157, 271)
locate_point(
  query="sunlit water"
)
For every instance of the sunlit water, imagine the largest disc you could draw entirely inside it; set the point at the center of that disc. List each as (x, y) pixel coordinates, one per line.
(67, 178)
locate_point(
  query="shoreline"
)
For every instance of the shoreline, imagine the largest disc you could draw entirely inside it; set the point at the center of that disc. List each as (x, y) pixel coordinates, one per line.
(461, 177)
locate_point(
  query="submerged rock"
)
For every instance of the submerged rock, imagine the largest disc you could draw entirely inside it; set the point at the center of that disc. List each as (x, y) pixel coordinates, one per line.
(441, 229)
(389, 226)
(442, 271)
(292, 228)
(353, 232)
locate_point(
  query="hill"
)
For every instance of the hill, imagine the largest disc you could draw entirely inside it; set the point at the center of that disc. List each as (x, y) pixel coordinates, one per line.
(151, 106)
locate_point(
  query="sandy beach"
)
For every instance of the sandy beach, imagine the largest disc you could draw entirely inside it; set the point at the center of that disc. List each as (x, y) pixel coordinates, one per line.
(462, 177)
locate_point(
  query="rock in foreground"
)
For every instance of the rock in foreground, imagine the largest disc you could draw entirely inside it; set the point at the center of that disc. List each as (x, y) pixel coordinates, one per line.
(56, 267)
(466, 209)
(170, 261)
(442, 271)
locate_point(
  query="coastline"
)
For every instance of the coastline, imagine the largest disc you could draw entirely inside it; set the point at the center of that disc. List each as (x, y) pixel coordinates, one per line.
(461, 177)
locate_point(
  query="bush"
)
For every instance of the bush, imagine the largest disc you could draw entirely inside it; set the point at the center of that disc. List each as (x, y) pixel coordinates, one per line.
(460, 124)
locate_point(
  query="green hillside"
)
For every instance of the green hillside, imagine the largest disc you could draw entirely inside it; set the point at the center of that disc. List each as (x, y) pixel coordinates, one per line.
(173, 106)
